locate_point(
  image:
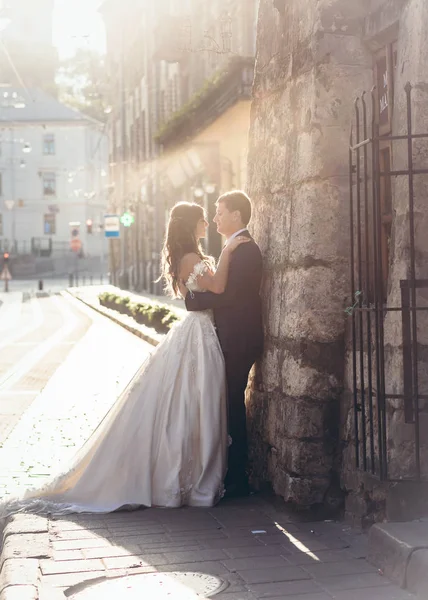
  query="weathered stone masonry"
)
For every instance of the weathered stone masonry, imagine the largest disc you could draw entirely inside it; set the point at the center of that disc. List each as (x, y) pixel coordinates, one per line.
(313, 60)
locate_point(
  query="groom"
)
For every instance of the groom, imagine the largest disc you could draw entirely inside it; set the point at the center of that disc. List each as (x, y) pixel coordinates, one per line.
(238, 319)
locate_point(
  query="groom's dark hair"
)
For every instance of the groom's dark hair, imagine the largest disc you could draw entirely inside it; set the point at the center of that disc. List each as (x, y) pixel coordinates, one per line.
(237, 200)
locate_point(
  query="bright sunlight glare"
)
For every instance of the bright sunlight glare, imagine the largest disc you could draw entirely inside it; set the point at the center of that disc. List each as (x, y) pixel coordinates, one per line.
(77, 24)
(297, 543)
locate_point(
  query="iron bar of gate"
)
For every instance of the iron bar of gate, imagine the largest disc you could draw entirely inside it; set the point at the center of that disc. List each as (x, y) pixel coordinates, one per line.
(378, 299)
(353, 324)
(415, 382)
(381, 297)
(367, 265)
(407, 352)
(362, 405)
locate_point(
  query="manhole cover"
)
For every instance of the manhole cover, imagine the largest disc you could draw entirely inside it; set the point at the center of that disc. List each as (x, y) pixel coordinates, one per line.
(156, 586)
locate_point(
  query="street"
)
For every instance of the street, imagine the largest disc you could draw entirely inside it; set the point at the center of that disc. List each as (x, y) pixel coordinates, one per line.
(61, 368)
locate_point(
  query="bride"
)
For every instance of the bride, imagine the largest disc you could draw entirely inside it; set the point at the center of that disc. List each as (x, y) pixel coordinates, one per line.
(164, 442)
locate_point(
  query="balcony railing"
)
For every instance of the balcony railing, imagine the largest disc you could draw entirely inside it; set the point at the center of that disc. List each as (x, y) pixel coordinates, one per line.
(231, 84)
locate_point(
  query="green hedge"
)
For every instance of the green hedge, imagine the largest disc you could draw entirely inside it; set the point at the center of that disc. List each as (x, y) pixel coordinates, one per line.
(155, 315)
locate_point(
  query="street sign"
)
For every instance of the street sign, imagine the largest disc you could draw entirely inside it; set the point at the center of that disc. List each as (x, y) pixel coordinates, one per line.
(75, 244)
(5, 275)
(111, 226)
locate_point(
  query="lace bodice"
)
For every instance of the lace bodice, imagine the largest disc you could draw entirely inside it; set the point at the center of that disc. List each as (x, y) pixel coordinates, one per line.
(199, 269)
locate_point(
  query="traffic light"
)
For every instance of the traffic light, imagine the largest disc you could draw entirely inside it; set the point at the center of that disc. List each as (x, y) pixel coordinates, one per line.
(6, 258)
(89, 226)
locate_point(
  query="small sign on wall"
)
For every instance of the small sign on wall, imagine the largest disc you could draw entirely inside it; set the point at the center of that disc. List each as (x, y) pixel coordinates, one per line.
(111, 226)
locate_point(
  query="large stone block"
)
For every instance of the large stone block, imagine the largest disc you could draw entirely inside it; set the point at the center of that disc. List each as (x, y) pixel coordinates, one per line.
(304, 492)
(309, 306)
(299, 380)
(319, 225)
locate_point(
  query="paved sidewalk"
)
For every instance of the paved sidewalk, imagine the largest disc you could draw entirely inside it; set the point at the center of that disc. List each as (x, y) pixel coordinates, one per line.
(256, 551)
(252, 549)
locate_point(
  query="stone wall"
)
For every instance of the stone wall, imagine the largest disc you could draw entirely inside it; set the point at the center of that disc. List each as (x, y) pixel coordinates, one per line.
(311, 64)
(366, 500)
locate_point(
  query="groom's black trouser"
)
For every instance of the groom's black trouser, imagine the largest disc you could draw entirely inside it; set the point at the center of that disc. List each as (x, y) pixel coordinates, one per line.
(238, 367)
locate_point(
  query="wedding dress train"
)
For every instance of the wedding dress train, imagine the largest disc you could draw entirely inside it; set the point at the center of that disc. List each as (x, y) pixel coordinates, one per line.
(164, 442)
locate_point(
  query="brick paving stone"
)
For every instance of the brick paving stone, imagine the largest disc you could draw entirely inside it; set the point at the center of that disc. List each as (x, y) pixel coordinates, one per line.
(387, 592)
(312, 545)
(233, 543)
(349, 567)
(284, 588)
(352, 582)
(131, 540)
(195, 556)
(81, 534)
(70, 579)
(323, 556)
(110, 552)
(210, 567)
(69, 555)
(272, 574)
(250, 551)
(258, 562)
(127, 562)
(163, 547)
(80, 544)
(51, 567)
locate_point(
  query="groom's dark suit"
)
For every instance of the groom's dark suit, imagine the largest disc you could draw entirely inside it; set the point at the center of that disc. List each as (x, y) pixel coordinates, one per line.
(238, 319)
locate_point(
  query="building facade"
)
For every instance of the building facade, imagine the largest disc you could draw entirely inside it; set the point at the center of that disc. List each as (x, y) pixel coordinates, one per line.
(53, 172)
(338, 404)
(182, 77)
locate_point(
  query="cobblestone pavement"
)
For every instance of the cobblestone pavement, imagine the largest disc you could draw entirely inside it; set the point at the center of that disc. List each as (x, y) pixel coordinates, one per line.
(257, 549)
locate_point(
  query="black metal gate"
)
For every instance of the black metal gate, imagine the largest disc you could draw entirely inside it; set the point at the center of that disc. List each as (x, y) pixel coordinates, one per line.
(370, 179)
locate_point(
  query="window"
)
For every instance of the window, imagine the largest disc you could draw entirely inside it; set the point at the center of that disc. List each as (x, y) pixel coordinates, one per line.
(49, 184)
(49, 144)
(385, 66)
(49, 224)
(385, 63)
(1, 184)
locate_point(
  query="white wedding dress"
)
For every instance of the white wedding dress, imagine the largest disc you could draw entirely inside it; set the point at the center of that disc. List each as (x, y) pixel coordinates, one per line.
(164, 442)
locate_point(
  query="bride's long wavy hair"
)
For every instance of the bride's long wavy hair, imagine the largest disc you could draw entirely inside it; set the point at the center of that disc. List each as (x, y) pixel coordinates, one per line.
(180, 239)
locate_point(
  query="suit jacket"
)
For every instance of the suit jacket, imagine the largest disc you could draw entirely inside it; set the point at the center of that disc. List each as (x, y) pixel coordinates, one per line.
(237, 311)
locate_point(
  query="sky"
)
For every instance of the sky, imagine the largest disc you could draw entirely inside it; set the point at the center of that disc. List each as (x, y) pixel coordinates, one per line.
(77, 24)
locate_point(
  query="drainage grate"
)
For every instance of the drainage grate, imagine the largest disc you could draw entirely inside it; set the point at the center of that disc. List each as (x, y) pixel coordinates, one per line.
(156, 586)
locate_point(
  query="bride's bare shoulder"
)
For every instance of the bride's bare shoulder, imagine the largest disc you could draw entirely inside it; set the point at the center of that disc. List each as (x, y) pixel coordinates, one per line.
(187, 264)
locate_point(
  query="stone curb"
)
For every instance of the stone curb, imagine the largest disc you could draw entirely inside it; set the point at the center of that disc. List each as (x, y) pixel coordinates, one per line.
(417, 573)
(400, 550)
(144, 336)
(25, 540)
